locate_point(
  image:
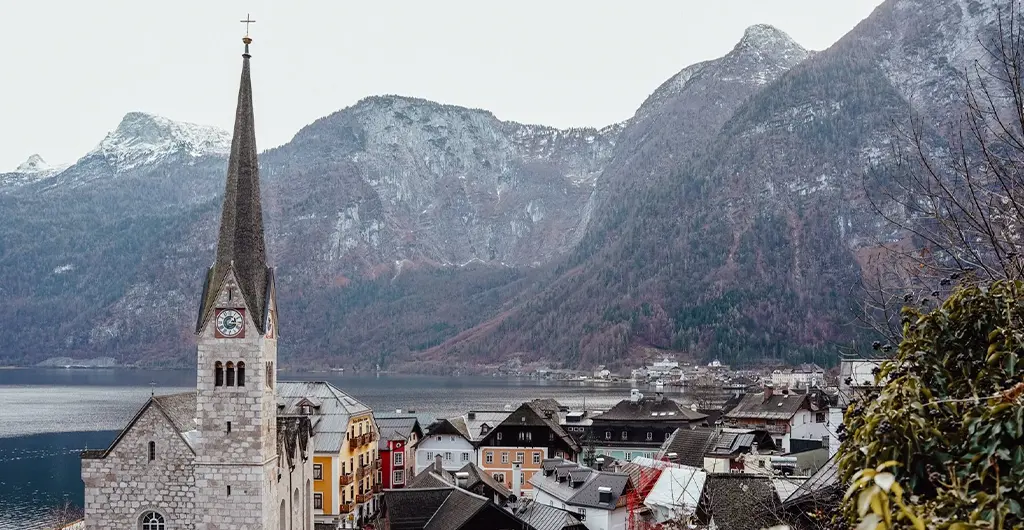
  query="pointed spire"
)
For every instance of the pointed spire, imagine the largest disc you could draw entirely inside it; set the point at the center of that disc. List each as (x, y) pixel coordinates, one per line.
(240, 245)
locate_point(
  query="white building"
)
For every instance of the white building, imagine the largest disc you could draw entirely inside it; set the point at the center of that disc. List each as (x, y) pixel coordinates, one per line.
(456, 440)
(796, 420)
(803, 376)
(598, 496)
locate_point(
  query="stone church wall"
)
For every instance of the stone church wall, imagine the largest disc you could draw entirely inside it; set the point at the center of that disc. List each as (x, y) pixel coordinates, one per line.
(126, 484)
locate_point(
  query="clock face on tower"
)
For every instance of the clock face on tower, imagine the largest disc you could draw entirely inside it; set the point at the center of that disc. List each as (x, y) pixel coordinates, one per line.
(230, 323)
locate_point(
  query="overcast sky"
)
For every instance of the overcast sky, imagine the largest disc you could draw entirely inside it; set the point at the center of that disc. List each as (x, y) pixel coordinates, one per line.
(71, 70)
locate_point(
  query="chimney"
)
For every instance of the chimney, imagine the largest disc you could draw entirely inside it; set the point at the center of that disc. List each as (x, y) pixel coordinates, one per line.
(461, 479)
(471, 415)
(599, 462)
(673, 457)
(604, 495)
(517, 479)
(635, 396)
(768, 392)
(398, 411)
(438, 468)
(753, 448)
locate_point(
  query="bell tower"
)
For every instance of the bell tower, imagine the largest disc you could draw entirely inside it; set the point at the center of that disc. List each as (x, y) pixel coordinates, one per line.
(236, 454)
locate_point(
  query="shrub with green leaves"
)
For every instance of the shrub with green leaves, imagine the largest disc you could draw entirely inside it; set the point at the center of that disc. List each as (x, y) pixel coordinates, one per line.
(941, 443)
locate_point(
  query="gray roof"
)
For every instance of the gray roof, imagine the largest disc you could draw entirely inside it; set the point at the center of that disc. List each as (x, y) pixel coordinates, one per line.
(180, 409)
(395, 429)
(447, 508)
(456, 510)
(330, 421)
(471, 428)
(649, 409)
(776, 407)
(544, 517)
(479, 476)
(689, 445)
(240, 243)
(428, 478)
(586, 494)
(739, 501)
(820, 483)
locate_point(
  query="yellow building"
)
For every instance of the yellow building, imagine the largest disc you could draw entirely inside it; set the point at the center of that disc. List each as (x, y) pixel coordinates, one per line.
(346, 466)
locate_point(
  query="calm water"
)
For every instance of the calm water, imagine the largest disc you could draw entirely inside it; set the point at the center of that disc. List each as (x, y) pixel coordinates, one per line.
(48, 415)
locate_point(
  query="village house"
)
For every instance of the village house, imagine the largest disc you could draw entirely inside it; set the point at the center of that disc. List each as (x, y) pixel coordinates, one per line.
(456, 439)
(802, 376)
(796, 420)
(396, 447)
(526, 437)
(718, 450)
(638, 426)
(599, 497)
(345, 462)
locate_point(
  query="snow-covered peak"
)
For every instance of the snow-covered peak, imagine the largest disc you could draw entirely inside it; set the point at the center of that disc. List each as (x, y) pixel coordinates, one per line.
(143, 138)
(34, 164)
(766, 36)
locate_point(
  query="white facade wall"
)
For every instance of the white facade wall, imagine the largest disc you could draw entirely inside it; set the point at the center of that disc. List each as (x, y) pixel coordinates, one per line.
(805, 426)
(798, 379)
(595, 518)
(445, 444)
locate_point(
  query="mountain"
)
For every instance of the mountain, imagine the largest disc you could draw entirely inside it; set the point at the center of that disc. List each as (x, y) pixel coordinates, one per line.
(726, 219)
(753, 246)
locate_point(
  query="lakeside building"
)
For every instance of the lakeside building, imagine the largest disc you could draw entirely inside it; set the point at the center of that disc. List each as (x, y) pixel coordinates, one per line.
(638, 426)
(802, 376)
(224, 455)
(456, 439)
(526, 437)
(396, 447)
(345, 461)
(797, 420)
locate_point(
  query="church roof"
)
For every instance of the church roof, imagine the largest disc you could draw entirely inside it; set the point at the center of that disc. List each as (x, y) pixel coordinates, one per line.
(178, 409)
(240, 244)
(330, 420)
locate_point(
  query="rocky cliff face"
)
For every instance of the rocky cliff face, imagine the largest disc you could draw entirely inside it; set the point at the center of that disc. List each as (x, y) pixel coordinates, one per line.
(725, 218)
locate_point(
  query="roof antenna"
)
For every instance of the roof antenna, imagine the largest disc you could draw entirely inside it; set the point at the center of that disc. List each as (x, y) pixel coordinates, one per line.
(152, 387)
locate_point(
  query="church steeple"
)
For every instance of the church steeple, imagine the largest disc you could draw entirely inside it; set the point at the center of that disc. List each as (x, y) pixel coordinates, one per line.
(240, 245)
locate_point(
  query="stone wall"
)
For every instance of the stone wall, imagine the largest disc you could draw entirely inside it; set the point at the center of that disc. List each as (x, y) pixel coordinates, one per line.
(126, 484)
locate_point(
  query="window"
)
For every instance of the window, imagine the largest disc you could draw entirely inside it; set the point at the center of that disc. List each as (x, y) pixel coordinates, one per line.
(522, 478)
(629, 456)
(504, 458)
(398, 476)
(536, 458)
(430, 457)
(439, 438)
(465, 457)
(318, 501)
(152, 521)
(241, 373)
(760, 463)
(607, 435)
(668, 435)
(500, 477)
(551, 436)
(819, 417)
(498, 436)
(583, 514)
(218, 374)
(489, 457)
(307, 410)
(229, 374)
(229, 428)
(318, 472)
(399, 458)
(448, 455)
(625, 435)
(520, 457)
(270, 374)
(522, 436)
(229, 491)
(650, 435)
(152, 451)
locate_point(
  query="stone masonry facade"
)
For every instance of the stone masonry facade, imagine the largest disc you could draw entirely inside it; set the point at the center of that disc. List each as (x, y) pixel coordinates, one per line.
(124, 484)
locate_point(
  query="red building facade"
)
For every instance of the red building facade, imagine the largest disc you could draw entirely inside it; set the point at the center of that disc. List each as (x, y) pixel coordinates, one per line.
(396, 446)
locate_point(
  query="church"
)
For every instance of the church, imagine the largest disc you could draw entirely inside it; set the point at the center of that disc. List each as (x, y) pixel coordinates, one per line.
(225, 456)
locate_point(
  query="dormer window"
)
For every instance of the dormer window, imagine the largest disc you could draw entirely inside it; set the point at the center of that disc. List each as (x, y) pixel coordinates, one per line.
(306, 409)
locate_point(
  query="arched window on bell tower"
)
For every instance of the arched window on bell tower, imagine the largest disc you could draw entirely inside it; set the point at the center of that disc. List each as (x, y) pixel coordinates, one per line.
(230, 369)
(218, 374)
(241, 373)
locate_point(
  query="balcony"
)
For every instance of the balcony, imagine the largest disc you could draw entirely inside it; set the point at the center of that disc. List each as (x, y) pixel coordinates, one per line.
(363, 497)
(345, 479)
(361, 472)
(346, 507)
(377, 488)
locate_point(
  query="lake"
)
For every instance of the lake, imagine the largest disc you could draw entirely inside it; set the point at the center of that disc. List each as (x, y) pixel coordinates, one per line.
(47, 416)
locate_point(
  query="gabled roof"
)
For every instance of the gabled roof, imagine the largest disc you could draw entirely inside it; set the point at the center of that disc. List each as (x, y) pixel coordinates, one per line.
(532, 414)
(429, 478)
(817, 485)
(447, 508)
(446, 426)
(473, 426)
(396, 428)
(478, 476)
(739, 501)
(649, 409)
(777, 407)
(544, 517)
(689, 445)
(178, 409)
(586, 494)
(240, 243)
(331, 420)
